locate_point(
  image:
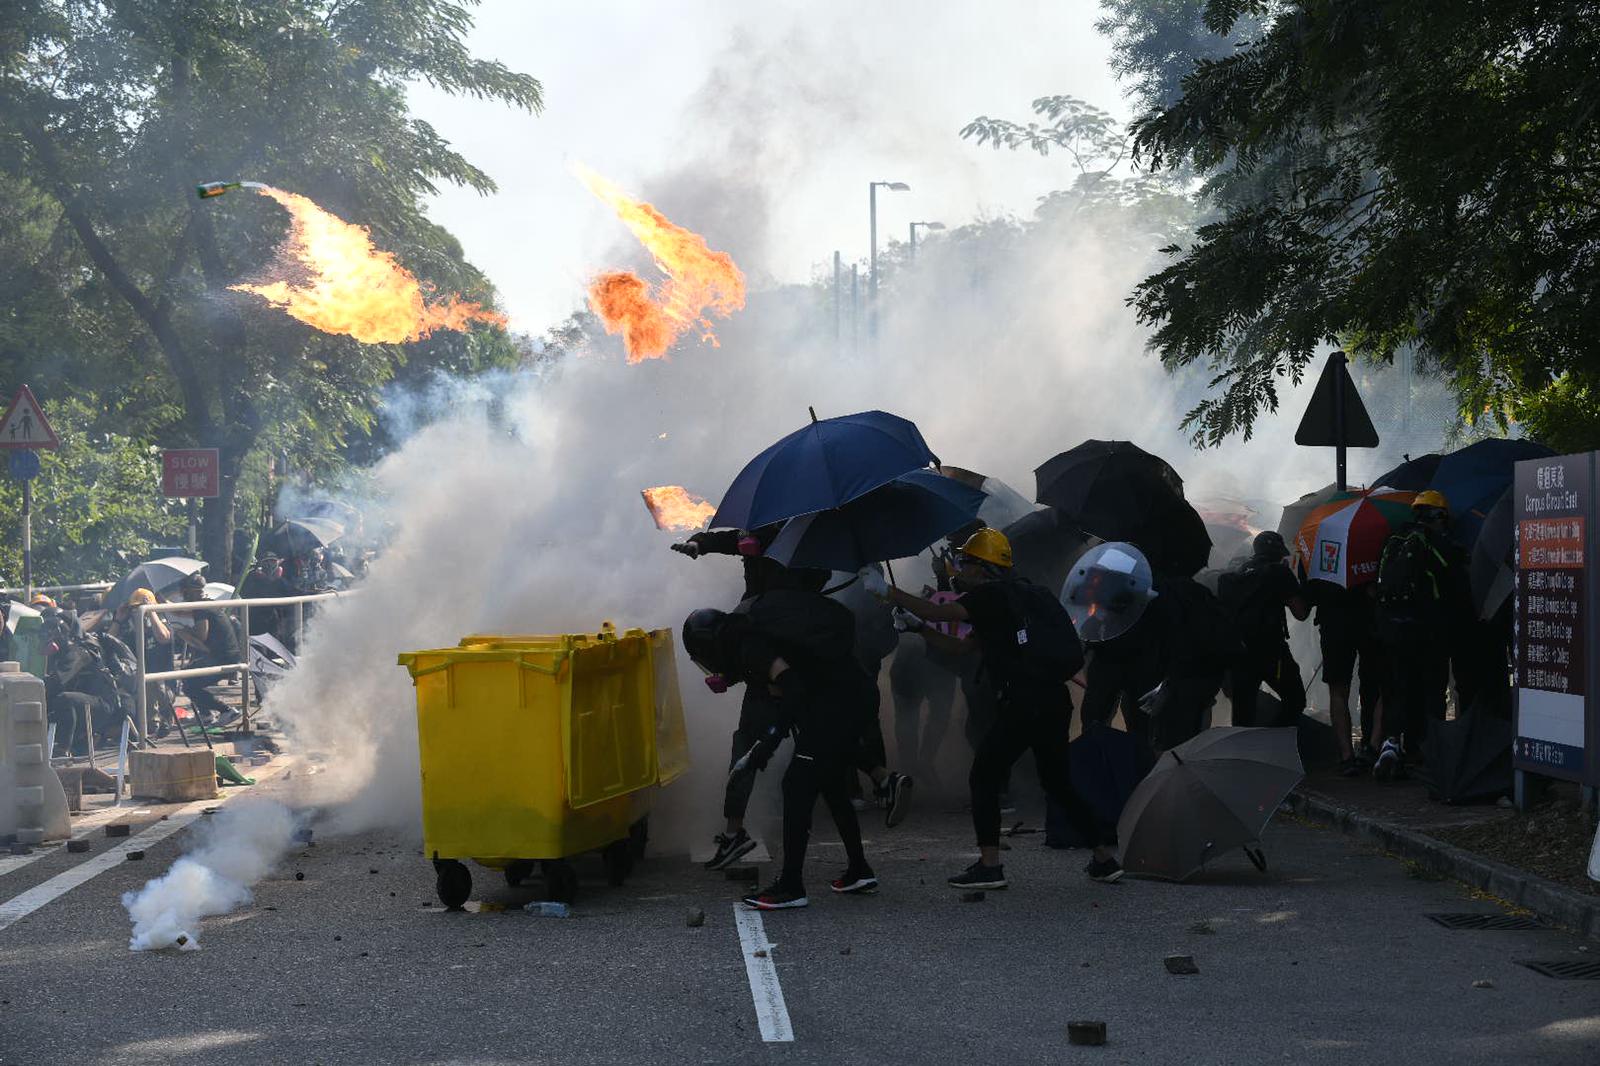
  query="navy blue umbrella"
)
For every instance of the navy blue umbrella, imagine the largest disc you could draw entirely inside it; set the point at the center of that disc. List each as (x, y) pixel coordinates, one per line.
(825, 465)
(1413, 475)
(892, 521)
(1473, 478)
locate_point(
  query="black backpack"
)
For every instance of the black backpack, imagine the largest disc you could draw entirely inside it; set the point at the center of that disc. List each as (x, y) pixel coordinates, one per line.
(808, 626)
(1411, 579)
(1045, 648)
(1245, 594)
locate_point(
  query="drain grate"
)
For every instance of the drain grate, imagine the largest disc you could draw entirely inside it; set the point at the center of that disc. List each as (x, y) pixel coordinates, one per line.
(1566, 969)
(1478, 920)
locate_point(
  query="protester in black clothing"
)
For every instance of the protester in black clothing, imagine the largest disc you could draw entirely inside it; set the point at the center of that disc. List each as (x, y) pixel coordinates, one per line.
(1347, 630)
(762, 575)
(1255, 595)
(265, 581)
(1423, 589)
(214, 642)
(1029, 652)
(798, 647)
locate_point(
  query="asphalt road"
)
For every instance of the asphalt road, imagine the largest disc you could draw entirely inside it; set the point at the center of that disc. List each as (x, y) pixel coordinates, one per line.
(1327, 958)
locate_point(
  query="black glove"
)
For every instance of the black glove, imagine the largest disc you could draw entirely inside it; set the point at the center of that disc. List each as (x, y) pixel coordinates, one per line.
(687, 547)
(906, 622)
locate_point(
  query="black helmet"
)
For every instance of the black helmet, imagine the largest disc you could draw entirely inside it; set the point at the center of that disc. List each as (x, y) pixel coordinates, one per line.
(1269, 545)
(702, 632)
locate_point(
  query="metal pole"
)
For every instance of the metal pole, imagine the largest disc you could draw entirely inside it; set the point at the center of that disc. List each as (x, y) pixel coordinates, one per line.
(1338, 420)
(872, 212)
(27, 539)
(299, 625)
(191, 527)
(838, 294)
(913, 242)
(138, 648)
(244, 675)
(855, 308)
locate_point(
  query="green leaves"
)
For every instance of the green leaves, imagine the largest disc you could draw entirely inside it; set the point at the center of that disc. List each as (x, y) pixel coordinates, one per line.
(1386, 174)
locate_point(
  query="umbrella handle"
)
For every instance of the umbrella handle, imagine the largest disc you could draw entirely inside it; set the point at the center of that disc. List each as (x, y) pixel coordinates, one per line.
(1257, 857)
(887, 565)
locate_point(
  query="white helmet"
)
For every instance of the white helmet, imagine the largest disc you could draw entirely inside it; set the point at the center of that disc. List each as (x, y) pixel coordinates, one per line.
(1107, 591)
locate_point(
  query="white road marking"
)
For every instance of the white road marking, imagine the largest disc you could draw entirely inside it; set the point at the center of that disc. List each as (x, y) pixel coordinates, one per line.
(771, 1012)
(14, 910)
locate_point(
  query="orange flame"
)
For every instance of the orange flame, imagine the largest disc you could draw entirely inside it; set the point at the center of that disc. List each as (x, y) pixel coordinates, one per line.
(699, 282)
(329, 275)
(676, 508)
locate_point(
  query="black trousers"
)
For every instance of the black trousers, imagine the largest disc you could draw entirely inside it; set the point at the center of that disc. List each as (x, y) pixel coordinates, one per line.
(1275, 666)
(206, 705)
(1416, 698)
(914, 680)
(755, 715)
(818, 773)
(1039, 721)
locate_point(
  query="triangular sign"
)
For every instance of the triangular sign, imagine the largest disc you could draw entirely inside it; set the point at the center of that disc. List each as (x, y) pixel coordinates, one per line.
(25, 425)
(1320, 426)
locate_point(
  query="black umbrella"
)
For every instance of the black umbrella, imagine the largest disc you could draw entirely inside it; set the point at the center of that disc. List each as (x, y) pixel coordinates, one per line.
(1413, 475)
(1469, 758)
(1044, 546)
(1206, 796)
(298, 536)
(157, 575)
(1491, 570)
(1115, 490)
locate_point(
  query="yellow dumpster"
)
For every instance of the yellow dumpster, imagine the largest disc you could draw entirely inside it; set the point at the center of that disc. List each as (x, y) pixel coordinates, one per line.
(536, 749)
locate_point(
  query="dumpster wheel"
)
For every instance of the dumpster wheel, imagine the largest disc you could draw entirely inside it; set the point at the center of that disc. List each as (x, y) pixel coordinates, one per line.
(560, 880)
(639, 836)
(453, 882)
(618, 859)
(518, 871)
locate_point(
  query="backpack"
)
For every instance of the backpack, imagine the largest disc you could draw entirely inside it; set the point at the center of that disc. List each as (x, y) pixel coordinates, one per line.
(806, 625)
(1411, 579)
(1245, 595)
(1203, 635)
(1045, 648)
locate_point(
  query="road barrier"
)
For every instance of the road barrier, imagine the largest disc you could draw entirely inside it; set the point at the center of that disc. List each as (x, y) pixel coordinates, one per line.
(242, 669)
(33, 806)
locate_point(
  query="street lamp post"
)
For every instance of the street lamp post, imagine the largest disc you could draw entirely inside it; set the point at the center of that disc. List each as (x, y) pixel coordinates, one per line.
(872, 268)
(924, 225)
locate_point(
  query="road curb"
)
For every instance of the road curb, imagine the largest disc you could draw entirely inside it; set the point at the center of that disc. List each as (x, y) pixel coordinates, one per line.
(1550, 901)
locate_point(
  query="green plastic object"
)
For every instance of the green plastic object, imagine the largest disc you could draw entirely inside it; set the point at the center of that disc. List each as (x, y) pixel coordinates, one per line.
(230, 773)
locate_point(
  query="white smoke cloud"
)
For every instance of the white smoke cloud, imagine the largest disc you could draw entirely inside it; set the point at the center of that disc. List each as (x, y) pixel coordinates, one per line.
(242, 843)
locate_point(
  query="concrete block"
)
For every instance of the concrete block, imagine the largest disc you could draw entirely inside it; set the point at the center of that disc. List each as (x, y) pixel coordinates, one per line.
(173, 775)
(29, 754)
(29, 713)
(30, 835)
(30, 795)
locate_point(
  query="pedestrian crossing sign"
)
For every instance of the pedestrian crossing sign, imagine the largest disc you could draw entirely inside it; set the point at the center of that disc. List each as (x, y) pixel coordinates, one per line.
(25, 425)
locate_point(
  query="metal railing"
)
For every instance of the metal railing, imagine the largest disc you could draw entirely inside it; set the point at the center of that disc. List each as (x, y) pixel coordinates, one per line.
(51, 590)
(242, 669)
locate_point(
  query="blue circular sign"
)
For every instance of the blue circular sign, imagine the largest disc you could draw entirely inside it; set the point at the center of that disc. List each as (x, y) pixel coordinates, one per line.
(24, 464)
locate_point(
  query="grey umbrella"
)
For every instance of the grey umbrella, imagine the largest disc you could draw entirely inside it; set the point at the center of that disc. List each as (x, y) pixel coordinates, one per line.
(1295, 514)
(1208, 795)
(157, 575)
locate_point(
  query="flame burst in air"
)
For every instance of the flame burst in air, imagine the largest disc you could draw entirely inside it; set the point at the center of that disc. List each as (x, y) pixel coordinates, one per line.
(675, 508)
(329, 275)
(699, 282)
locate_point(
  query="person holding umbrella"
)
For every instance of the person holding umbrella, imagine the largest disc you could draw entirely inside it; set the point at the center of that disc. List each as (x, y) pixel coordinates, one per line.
(1029, 651)
(1422, 589)
(215, 643)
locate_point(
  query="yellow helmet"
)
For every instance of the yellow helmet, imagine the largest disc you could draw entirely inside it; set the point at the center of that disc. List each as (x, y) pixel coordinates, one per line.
(1431, 498)
(989, 545)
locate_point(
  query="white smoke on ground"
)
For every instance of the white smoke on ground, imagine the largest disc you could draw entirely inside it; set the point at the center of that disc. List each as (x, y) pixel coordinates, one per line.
(235, 850)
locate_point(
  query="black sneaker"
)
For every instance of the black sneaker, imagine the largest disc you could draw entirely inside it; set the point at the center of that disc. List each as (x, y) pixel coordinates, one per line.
(730, 846)
(777, 897)
(897, 799)
(980, 876)
(855, 881)
(1108, 871)
(1350, 767)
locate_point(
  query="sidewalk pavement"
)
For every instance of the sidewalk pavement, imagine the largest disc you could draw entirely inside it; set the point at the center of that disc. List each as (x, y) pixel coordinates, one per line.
(1401, 818)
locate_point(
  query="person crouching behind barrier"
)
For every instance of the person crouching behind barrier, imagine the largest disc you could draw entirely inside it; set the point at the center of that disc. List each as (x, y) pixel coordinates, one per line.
(1030, 651)
(797, 647)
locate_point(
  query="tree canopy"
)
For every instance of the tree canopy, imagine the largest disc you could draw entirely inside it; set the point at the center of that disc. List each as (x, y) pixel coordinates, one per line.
(1390, 173)
(113, 275)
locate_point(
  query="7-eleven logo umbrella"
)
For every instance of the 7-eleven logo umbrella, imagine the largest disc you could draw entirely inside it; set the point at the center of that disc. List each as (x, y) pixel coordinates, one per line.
(1341, 540)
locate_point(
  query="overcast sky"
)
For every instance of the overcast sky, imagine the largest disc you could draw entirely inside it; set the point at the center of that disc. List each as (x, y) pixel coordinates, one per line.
(758, 124)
